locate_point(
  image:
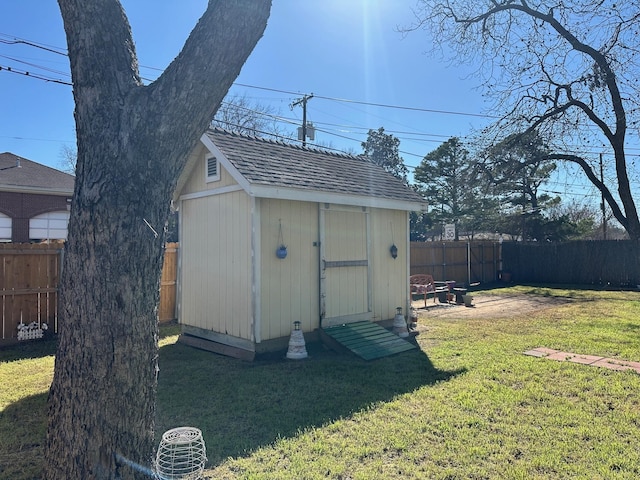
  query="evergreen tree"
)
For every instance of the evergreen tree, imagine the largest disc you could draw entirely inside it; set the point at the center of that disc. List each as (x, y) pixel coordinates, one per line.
(448, 180)
(384, 149)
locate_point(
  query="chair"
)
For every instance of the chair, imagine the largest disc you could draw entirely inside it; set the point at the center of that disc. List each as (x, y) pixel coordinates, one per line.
(423, 284)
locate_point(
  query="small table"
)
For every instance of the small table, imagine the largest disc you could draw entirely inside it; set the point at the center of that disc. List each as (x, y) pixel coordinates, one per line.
(459, 293)
(441, 290)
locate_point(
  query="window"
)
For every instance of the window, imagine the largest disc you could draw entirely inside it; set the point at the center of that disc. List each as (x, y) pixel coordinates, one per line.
(5, 228)
(212, 169)
(49, 226)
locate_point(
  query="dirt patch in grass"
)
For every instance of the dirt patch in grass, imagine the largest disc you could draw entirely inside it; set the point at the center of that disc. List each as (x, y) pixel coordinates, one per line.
(489, 306)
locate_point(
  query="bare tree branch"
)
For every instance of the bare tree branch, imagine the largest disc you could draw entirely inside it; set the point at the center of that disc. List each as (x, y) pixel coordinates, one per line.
(586, 168)
(560, 68)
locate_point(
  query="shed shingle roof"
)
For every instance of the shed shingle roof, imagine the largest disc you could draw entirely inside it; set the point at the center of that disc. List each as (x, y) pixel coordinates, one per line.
(19, 173)
(270, 163)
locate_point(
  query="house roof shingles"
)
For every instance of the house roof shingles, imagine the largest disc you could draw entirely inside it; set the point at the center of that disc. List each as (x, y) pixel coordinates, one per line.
(18, 173)
(277, 164)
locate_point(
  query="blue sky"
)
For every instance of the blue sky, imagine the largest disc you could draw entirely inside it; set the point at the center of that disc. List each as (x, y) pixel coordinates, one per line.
(348, 53)
(335, 49)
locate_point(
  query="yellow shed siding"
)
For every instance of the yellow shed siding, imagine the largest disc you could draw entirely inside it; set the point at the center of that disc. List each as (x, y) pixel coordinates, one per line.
(218, 272)
(216, 264)
(289, 287)
(390, 277)
(196, 181)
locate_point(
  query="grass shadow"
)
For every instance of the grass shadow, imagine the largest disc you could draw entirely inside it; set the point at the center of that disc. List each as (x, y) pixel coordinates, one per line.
(239, 406)
(23, 427)
(169, 329)
(242, 406)
(29, 349)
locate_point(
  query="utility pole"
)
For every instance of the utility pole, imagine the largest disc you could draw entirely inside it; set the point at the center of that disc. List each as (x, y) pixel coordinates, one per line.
(524, 201)
(303, 101)
(604, 212)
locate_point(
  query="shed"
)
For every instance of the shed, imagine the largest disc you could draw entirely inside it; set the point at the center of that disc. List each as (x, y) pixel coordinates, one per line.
(240, 198)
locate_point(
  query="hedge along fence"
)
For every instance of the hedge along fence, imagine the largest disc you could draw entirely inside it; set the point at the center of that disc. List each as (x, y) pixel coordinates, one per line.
(464, 262)
(606, 262)
(29, 279)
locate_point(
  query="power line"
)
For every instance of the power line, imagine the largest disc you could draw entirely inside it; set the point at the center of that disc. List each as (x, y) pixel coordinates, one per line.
(37, 139)
(295, 121)
(372, 104)
(36, 66)
(41, 46)
(33, 75)
(343, 135)
(342, 100)
(62, 52)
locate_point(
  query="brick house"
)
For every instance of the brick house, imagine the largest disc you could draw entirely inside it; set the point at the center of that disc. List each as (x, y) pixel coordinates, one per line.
(34, 200)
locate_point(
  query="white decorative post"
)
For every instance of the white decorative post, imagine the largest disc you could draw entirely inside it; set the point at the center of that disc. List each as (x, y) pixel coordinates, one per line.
(400, 324)
(413, 319)
(297, 349)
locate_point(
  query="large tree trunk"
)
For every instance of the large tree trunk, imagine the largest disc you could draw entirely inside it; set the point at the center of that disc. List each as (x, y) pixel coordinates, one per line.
(133, 141)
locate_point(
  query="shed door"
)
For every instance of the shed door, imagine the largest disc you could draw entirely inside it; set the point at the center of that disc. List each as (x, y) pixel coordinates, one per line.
(345, 274)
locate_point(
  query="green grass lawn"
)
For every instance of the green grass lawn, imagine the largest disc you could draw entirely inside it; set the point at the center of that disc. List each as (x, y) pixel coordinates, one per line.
(469, 405)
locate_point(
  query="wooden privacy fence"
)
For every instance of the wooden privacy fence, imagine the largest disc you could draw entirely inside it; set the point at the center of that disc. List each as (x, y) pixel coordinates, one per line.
(602, 262)
(464, 262)
(169, 284)
(28, 287)
(29, 279)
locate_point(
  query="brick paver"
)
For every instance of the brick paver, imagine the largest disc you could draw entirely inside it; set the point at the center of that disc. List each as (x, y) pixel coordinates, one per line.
(585, 359)
(535, 353)
(560, 356)
(610, 363)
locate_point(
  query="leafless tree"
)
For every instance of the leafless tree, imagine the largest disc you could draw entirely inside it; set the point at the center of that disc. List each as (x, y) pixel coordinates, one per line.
(133, 141)
(68, 156)
(566, 69)
(239, 114)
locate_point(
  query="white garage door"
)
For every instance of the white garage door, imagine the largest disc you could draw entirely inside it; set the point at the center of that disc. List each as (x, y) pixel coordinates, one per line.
(49, 226)
(5, 228)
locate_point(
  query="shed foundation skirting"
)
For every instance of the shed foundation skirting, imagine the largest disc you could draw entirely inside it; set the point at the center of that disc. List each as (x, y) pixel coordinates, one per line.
(218, 342)
(234, 346)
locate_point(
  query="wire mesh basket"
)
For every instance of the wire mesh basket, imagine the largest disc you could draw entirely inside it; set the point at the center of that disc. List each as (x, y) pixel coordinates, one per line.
(181, 454)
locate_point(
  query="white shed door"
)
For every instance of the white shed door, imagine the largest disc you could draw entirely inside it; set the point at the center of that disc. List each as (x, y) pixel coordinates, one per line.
(345, 275)
(5, 227)
(49, 226)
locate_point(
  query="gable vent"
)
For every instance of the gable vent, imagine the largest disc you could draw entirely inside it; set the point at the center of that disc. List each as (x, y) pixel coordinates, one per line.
(211, 168)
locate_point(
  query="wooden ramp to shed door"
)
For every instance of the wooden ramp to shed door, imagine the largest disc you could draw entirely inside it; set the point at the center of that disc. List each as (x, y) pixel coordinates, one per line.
(368, 340)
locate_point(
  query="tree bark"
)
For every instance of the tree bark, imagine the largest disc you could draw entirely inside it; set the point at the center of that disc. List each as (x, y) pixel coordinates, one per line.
(133, 141)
